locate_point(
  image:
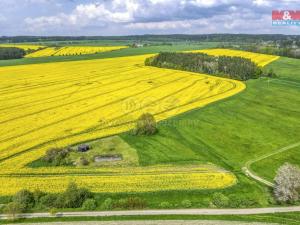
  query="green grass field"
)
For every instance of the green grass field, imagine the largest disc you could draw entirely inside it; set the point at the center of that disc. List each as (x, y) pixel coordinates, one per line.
(267, 167)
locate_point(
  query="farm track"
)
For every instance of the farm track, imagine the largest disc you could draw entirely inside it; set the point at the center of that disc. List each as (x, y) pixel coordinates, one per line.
(252, 211)
(155, 222)
(247, 169)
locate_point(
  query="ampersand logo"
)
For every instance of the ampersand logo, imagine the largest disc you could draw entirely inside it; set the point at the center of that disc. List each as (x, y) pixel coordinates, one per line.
(286, 15)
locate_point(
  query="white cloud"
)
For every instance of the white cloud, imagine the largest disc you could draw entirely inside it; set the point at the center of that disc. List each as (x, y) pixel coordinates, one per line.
(164, 25)
(262, 2)
(84, 14)
(142, 16)
(205, 3)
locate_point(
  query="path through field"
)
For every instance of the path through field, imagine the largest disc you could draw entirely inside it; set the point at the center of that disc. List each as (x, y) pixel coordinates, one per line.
(252, 211)
(247, 169)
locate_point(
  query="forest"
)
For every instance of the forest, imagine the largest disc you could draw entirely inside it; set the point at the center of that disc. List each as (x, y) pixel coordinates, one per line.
(237, 68)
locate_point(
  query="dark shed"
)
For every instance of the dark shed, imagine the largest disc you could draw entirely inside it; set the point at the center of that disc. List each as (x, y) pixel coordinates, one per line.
(83, 148)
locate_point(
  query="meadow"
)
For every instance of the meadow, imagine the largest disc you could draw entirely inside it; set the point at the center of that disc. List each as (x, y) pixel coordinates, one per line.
(274, 162)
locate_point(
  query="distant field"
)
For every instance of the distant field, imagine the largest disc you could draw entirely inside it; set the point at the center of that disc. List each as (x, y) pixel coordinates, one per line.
(73, 50)
(112, 54)
(259, 59)
(26, 47)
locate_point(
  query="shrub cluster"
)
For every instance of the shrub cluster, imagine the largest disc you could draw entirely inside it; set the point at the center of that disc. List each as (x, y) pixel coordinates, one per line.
(237, 68)
(11, 53)
(72, 197)
(57, 157)
(145, 125)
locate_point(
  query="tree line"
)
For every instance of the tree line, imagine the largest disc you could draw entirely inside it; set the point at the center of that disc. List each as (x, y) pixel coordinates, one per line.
(237, 68)
(148, 37)
(286, 49)
(11, 53)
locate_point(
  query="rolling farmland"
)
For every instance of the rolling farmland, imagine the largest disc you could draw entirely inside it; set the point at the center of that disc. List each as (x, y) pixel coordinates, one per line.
(73, 102)
(77, 101)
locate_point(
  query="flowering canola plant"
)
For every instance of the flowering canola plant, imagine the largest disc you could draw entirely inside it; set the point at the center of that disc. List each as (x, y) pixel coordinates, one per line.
(59, 104)
(73, 50)
(260, 59)
(135, 180)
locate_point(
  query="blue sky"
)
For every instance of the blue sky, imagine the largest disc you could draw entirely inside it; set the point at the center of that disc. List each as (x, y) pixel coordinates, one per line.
(126, 17)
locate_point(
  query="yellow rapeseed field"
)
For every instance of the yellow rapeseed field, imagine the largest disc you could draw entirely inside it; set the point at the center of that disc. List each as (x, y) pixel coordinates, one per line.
(59, 104)
(26, 47)
(73, 50)
(158, 178)
(259, 59)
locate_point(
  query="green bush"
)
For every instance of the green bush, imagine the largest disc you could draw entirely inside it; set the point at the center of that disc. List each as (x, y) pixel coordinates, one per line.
(74, 197)
(57, 157)
(186, 203)
(49, 200)
(89, 204)
(107, 204)
(145, 125)
(82, 161)
(242, 202)
(37, 195)
(165, 205)
(220, 200)
(24, 199)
